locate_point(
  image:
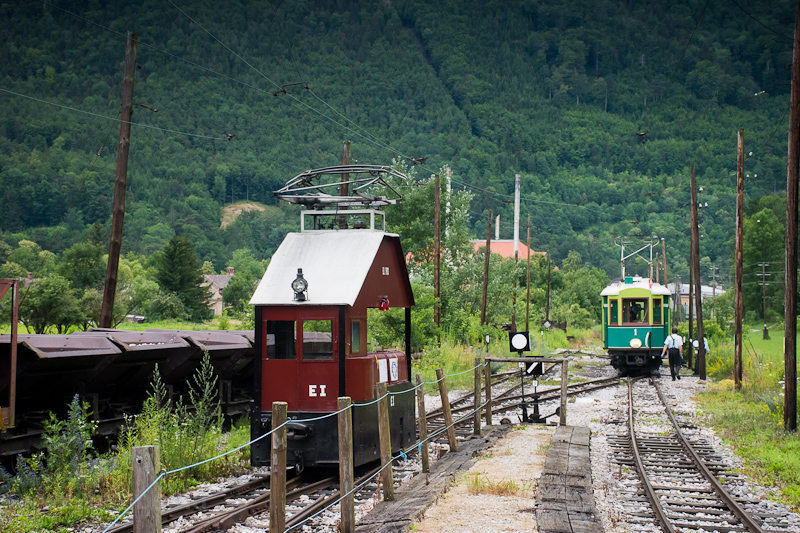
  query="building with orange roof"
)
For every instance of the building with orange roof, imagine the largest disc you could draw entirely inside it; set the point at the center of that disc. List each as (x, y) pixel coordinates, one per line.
(505, 247)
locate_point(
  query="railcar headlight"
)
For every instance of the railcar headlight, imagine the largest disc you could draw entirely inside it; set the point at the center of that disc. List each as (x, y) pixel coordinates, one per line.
(636, 343)
(299, 286)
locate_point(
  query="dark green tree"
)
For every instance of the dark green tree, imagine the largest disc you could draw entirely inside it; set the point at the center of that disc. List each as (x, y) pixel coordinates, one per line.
(83, 265)
(50, 302)
(178, 271)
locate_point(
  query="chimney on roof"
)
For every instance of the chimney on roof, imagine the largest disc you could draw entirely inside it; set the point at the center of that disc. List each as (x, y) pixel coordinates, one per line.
(30, 275)
(230, 271)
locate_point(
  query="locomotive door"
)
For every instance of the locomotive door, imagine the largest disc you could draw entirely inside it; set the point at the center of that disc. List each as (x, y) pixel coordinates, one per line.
(300, 363)
(318, 370)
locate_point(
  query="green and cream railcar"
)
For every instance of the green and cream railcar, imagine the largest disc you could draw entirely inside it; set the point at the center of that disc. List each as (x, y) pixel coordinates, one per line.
(635, 323)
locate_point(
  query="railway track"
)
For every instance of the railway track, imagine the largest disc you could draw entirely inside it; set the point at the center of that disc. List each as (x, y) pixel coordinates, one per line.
(677, 481)
(509, 399)
(249, 503)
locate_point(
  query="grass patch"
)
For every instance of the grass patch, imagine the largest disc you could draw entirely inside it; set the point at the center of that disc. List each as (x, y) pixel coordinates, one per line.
(478, 483)
(542, 449)
(754, 430)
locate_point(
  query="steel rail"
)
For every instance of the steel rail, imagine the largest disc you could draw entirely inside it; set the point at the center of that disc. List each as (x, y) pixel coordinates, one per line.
(496, 380)
(323, 502)
(201, 504)
(547, 394)
(227, 519)
(655, 503)
(747, 520)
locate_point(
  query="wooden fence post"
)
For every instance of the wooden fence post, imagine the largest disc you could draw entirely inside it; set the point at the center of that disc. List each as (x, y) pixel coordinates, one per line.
(387, 476)
(277, 480)
(147, 511)
(564, 379)
(347, 505)
(476, 416)
(487, 370)
(423, 426)
(448, 415)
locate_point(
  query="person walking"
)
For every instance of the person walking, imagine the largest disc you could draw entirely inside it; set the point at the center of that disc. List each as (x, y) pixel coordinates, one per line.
(674, 343)
(696, 345)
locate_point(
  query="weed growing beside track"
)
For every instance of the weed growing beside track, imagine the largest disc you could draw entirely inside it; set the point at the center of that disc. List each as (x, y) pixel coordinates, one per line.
(69, 484)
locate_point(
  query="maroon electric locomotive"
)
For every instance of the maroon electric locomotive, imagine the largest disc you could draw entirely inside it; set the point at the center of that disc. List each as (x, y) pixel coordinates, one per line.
(312, 342)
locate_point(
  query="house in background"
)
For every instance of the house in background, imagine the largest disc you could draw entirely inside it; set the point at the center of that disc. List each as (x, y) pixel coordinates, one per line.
(706, 291)
(505, 247)
(215, 284)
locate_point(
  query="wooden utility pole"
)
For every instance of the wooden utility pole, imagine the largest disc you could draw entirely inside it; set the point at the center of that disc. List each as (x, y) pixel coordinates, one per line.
(547, 298)
(664, 258)
(700, 364)
(487, 253)
(657, 267)
(516, 253)
(738, 301)
(436, 253)
(689, 350)
(790, 297)
(343, 188)
(528, 282)
(120, 183)
(764, 297)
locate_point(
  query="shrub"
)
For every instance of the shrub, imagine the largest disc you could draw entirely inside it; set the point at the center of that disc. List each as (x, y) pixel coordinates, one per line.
(63, 465)
(186, 434)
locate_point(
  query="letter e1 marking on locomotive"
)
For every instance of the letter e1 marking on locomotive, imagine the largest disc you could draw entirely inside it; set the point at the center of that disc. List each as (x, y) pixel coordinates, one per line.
(312, 390)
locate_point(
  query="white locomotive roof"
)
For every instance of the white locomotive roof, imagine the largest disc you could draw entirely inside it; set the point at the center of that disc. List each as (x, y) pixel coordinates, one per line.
(637, 282)
(335, 265)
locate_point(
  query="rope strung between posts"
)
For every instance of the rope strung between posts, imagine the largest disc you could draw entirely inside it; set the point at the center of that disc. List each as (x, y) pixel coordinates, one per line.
(402, 455)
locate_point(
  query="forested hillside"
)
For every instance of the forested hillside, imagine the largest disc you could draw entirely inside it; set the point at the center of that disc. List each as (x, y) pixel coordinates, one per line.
(600, 105)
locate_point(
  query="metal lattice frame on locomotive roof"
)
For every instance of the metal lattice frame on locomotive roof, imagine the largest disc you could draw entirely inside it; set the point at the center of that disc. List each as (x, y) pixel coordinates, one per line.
(302, 190)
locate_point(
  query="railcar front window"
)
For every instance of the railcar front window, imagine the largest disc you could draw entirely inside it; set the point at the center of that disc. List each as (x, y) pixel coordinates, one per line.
(281, 336)
(635, 310)
(356, 337)
(317, 340)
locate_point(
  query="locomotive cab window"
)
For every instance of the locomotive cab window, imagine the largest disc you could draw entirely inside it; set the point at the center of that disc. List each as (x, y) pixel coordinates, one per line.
(656, 310)
(613, 313)
(355, 335)
(634, 310)
(281, 336)
(317, 340)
